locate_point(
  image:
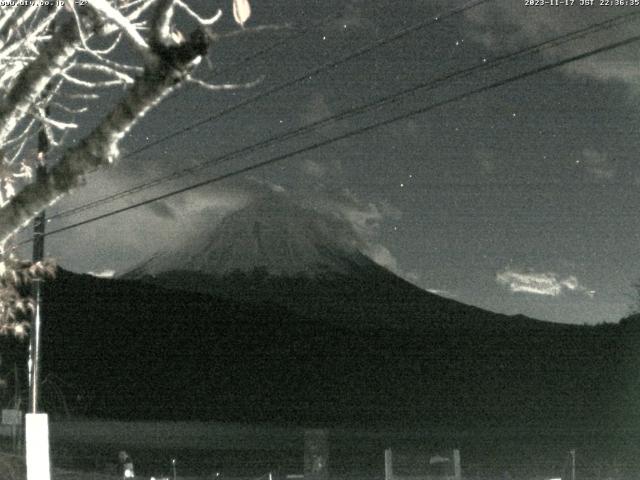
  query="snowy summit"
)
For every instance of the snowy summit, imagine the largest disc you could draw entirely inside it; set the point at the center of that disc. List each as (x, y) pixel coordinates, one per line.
(271, 233)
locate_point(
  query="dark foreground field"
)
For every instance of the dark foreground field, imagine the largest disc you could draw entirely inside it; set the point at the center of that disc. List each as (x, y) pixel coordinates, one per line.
(235, 451)
(412, 372)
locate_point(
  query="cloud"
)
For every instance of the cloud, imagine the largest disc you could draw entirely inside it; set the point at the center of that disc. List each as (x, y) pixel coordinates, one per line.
(364, 217)
(313, 168)
(122, 241)
(364, 220)
(598, 164)
(508, 26)
(412, 276)
(353, 17)
(178, 220)
(547, 283)
(316, 109)
(320, 174)
(442, 293)
(487, 160)
(103, 274)
(161, 209)
(360, 220)
(382, 256)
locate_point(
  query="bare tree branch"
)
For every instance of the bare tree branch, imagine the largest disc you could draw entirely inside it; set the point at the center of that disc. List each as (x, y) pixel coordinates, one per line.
(34, 78)
(100, 147)
(47, 58)
(114, 15)
(14, 20)
(161, 24)
(7, 51)
(202, 21)
(216, 87)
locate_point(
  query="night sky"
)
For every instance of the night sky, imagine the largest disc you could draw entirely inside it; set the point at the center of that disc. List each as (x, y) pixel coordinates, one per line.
(520, 199)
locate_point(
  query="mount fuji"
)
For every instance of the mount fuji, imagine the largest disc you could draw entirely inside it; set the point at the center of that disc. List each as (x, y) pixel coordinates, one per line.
(271, 233)
(275, 314)
(274, 250)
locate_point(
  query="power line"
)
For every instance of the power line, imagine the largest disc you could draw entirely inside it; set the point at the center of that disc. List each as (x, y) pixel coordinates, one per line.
(431, 84)
(261, 52)
(315, 71)
(324, 67)
(357, 132)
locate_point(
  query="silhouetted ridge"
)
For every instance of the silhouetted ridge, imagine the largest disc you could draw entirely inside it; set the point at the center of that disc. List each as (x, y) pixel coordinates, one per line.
(274, 250)
(126, 349)
(327, 337)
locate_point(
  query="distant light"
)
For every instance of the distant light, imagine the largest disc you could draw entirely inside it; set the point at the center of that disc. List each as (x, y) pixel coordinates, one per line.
(128, 473)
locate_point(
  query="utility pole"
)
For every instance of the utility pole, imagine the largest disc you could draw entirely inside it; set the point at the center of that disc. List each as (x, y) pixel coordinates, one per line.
(38, 256)
(572, 452)
(37, 424)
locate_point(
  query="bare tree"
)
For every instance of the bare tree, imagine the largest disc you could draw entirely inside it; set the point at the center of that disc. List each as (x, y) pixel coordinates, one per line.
(55, 57)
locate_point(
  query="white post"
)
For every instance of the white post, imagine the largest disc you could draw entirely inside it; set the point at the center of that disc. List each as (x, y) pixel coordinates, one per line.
(37, 446)
(388, 464)
(457, 470)
(573, 464)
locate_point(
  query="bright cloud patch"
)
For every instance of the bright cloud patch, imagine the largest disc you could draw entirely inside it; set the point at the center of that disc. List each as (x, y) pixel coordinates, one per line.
(364, 220)
(103, 274)
(548, 283)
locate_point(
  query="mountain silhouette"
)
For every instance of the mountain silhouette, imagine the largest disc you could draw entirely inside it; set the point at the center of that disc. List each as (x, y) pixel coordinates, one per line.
(273, 250)
(277, 316)
(271, 233)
